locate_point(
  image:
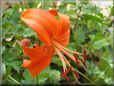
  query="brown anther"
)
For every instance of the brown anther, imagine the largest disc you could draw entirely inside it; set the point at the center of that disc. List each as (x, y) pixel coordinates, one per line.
(64, 74)
(91, 53)
(85, 55)
(76, 58)
(76, 74)
(83, 62)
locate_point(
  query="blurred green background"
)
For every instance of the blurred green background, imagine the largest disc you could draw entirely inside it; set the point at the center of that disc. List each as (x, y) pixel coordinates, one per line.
(90, 30)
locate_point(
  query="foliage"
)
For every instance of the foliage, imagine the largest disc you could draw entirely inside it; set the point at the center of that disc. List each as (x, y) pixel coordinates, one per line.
(90, 30)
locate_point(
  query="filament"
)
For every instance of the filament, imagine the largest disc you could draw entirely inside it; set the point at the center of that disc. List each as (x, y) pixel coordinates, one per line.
(60, 46)
(61, 58)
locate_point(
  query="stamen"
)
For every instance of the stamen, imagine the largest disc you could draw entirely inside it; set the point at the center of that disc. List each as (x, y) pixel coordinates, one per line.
(83, 62)
(68, 54)
(60, 46)
(64, 50)
(64, 74)
(66, 60)
(76, 58)
(61, 58)
(85, 55)
(76, 73)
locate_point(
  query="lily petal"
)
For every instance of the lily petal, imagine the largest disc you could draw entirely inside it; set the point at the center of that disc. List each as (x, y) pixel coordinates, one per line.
(63, 39)
(43, 22)
(26, 63)
(54, 12)
(65, 22)
(40, 58)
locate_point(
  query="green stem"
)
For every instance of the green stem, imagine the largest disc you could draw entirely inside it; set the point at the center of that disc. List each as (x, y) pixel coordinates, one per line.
(11, 79)
(77, 19)
(54, 4)
(37, 80)
(100, 75)
(41, 3)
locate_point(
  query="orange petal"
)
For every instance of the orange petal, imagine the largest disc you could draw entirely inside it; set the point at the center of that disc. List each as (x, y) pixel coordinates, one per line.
(54, 12)
(43, 22)
(63, 39)
(65, 23)
(40, 58)
(26, 63)
(38, 28)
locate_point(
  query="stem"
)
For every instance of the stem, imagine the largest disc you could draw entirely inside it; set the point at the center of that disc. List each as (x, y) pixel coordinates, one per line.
(54, 4)
(37, 80)
(40, 4)
(100, 75)
(11, 79)
(78, 15)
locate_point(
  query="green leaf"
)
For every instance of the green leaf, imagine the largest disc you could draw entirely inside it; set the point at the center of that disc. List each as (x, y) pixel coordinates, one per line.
(100, 44)
(28, 79)
(44, 75)
(103, 65)
(112, 11)
(54, 76)
(2, 49)
(93, 18)
(69, 1)
(9, 56)
(56, 60)
(3, 68)
(8, 72)
(79, 37)
(28, 32)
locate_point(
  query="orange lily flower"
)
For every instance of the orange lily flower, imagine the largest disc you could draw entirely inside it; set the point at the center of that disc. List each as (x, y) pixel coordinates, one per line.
(53, 29)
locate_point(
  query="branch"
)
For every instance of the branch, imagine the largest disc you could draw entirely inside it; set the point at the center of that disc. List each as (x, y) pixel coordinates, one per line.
(54, 4)
(76, 22)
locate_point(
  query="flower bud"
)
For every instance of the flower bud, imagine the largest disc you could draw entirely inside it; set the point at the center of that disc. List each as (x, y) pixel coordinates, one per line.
(25, 43)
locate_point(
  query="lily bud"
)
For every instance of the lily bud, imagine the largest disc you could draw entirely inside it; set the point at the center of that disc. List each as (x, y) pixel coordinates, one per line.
(25, 43)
